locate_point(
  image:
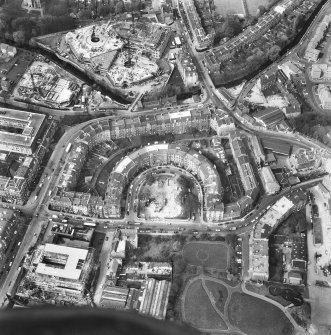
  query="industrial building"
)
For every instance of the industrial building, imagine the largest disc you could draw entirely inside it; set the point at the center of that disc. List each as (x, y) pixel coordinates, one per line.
(269, 117)
(277, 146)
(258, 150)
(155, 297)
(139, 271)
(269, 181)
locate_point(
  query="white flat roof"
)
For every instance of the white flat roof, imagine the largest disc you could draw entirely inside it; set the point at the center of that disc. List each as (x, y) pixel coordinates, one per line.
(123, 164)
(176, 115)
(70, 270)
(156, 147)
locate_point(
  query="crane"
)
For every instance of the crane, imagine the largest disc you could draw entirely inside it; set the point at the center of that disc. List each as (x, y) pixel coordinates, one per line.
(35, 88)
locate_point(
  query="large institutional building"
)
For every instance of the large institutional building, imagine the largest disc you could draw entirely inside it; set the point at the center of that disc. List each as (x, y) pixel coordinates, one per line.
(19, 130)
(24, 138)
(62, 269)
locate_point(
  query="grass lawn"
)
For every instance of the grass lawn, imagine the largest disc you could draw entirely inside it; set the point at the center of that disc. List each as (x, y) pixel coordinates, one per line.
(198, 310)
(207, 254)
(219, 292)
(257, 317)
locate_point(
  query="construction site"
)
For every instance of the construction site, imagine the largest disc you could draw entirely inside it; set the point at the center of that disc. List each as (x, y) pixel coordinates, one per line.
(126, 55)
(168, 195)
(46, 84)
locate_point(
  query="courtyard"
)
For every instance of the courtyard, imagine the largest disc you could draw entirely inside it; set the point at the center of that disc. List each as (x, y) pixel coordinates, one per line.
(167, 196)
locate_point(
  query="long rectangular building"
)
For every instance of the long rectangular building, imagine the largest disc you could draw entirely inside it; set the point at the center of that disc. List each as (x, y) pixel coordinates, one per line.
(201, 40)
(155, 298)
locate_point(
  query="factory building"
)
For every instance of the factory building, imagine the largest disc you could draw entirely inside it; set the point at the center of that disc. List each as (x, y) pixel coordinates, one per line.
(269, 181)
(155, 297)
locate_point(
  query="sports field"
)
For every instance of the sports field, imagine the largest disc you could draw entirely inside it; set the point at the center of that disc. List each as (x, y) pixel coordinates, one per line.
(198, 310)
(213, 255)
(257, 317)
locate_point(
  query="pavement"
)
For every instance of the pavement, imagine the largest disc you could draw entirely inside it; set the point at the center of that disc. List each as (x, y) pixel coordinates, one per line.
(319, 297)
(277, 304)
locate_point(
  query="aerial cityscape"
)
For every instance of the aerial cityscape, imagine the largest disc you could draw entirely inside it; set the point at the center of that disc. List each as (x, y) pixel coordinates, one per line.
(169, 159)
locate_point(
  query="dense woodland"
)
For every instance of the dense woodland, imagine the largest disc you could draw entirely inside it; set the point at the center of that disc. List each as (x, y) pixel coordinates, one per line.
(18, 26)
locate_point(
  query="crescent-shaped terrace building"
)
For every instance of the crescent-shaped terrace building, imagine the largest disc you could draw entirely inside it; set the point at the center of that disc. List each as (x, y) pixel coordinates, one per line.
(178, 156)
(164, 155)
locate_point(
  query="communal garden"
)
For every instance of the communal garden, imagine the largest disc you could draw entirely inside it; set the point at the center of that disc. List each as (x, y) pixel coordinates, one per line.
(255, 316)
(199, 310)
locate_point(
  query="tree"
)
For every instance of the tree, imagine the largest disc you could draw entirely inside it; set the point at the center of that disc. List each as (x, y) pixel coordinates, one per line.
(128, 7)
(104, 10)
(8, 36)
(261, 10)
(298, 22)
(150, 179)
(52, 24)
(19, 37)
(84, 14)
(119, 7)
(59, 9)
(231, 26)
(273, 52)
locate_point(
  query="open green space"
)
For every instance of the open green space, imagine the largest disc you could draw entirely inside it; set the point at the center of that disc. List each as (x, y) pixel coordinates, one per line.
(257, 317)
(198, 310)
(219, 293)
(207, 254)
